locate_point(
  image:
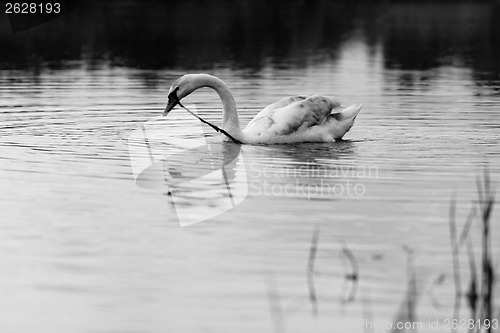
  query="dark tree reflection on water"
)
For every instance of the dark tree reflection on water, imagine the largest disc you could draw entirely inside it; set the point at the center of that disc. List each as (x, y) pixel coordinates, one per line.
(202, 35)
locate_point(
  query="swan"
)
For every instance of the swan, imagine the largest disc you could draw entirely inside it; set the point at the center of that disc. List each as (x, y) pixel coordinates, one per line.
(290, 120)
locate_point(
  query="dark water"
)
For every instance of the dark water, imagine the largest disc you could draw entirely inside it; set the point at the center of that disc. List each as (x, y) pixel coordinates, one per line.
(87, 247)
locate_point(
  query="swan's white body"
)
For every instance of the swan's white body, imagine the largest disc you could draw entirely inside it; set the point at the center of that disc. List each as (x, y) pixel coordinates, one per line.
(290, 120)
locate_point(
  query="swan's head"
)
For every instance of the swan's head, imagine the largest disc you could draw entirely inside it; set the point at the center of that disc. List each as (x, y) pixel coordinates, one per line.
(182, 87)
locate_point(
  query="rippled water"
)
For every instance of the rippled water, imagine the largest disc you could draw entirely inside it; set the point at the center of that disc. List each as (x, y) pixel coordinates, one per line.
(90, 242)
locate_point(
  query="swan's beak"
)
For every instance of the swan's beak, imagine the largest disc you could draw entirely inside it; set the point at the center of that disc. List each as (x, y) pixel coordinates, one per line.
(170, 105)
(173, 100)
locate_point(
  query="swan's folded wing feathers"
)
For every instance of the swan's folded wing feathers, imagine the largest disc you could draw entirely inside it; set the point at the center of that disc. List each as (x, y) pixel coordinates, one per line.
(269, 110)
(302, 115)
(293, 115)
(282, 103)
(260, 125)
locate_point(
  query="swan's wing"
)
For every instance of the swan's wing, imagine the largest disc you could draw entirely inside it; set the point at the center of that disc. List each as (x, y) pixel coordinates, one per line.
(293, 117)
(268, 110)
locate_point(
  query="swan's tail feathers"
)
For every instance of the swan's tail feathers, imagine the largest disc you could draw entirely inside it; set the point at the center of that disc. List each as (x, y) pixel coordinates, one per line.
(340, 123)
(348, 113)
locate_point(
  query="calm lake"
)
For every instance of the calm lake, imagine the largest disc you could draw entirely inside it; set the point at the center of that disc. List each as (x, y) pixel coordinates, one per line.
(113, 219)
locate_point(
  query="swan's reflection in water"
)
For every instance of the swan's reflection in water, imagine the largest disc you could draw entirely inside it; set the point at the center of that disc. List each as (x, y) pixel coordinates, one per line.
(205, 179)
(202, 180)
(307, 171)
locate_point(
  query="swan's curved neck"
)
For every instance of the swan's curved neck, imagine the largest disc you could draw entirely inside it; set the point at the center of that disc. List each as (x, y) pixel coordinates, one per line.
(230, 120)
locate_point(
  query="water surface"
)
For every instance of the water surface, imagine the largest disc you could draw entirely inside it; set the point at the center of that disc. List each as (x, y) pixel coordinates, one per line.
(84, 248)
